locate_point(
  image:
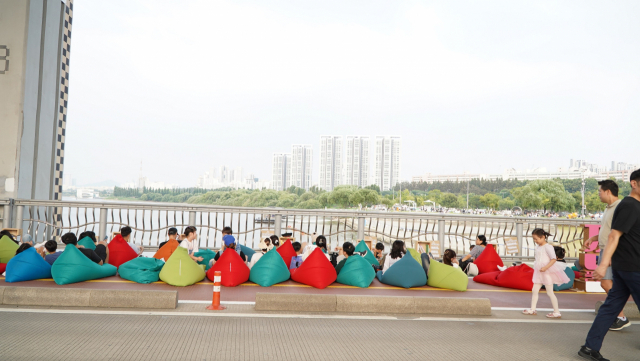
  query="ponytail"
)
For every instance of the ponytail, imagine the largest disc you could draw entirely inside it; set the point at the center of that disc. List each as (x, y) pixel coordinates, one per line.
(541, 233)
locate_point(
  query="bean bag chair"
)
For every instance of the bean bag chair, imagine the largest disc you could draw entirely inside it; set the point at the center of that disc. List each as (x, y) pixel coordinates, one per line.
(286, 252)
(316, 271)
(120, 251)
(357, 271)
(234, 270)
(73, 266)
(488, 260)
(447, 277)
(488, 278)
(141, 270)
(269, 270)
(248, 252)
(362, 247)
(207, 255)
(518, 277)
(565, 286)
(8, 249)
(405, 273)
(26, 266)
(180, 270)
(368, 255)
(3, 266)
(167, 250)
(415, 255)
(88, 243)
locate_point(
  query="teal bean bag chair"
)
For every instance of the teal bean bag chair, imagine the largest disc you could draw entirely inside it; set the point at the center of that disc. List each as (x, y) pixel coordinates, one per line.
(73, 266)
(180, 270)
(87, 242)
(8, 249)
(207, 256)
(447, 277)
(356, 271)
(368, 255)
(269, 270)
(565, 286)
(405, 273)
(247, 252)
(26, 266)
(141, 270)
(362, 247)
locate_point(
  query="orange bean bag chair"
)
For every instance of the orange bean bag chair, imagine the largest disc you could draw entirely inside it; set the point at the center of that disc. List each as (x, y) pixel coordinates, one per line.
(234, 270)
(518, 277)
(120, 252)
(489, 278)
(286, 252)
(488, 260)
(316, 271)
(167, 250)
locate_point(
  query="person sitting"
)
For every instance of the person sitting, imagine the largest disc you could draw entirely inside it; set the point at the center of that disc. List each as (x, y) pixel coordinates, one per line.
(27, 239)
(125, 232)
(229, 242)
(481, 242)
(380, 256)
(52, 254)
(70, 238)
(5, 232)
(560, 262)
(321, 242)
(23, 247)
(347, 251)
(102, 248)
(275, 241)
(190, 243)
(449, 258)
(173, 235)
(265, 246)
(397, 252)
(296, 260)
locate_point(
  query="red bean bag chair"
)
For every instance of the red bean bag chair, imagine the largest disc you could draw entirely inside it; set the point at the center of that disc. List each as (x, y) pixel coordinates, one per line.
(234, 270)
(316, 271)
(518, 277)
(489, 278)
(286, 252)
(488, 260)
(3, 266)
(167, 250)
(120, 252)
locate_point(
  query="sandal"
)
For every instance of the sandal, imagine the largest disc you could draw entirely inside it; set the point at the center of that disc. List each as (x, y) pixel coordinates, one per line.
(529, 311)
(554, 315)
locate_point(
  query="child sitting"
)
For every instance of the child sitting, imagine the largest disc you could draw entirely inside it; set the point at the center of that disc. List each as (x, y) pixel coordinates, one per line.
(560, 262)
(229, 242)
(449, 258)
(347, 251)
(265, 246)
(296, 260)
(51, 256)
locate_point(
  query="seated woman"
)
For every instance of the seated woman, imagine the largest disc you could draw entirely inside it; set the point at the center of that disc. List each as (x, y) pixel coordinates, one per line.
(321, 242)
(397, 252)
(449, 258)
(481, 242)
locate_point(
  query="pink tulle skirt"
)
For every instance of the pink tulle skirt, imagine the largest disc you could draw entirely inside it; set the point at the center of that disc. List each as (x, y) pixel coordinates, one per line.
(551, 276)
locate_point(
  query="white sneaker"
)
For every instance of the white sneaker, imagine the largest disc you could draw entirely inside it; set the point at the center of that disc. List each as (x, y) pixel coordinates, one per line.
(502, 268)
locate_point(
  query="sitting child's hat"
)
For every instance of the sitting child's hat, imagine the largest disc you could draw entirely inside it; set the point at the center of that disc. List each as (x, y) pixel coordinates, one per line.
(228, 240)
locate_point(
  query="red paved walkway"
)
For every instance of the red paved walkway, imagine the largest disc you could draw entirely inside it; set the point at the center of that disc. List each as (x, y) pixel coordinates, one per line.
(500, 297)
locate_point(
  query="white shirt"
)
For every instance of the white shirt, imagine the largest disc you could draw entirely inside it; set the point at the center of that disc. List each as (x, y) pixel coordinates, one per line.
(256, 256)
(388, 262)
(192, 247)
(310, 248)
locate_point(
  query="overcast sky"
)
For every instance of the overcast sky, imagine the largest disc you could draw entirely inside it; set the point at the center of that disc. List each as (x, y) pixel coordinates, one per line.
(475, 86)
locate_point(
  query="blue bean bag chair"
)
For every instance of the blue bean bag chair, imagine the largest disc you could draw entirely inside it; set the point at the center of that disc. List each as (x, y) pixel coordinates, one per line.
(356, 271)
(8, 249)
(181, 270)
(87, 242)
(405, 273)
(447, 277)
(269, 270)
(247, 252)
(207, 256)
(73, 266)
(26, 266)
(141, 270)
(565, 286)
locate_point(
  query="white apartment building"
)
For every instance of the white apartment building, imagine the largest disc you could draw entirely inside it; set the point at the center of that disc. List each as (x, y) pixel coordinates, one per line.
(387, 164)
(357, 171)
(281, 171)
(301, 165)
(330, 161)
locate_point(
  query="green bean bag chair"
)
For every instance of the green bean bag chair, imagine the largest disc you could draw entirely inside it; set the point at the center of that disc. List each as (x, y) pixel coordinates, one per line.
(73, 266)
(415, 255)
(180, 270)
(447, 277)
(368, 255)
(88, 243)
(362, 247)
(269, 270)
(141, 270)
(247, 252)
(8, 249)
(207, 256)
(565, 286)
(357, 271)
(404, 273)
(26, 266)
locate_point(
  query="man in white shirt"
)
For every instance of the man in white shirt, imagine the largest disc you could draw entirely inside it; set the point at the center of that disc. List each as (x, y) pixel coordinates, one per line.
(191, 243)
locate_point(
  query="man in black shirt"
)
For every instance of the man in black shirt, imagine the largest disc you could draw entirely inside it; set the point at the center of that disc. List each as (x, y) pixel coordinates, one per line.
(71, 238)
(623, 254)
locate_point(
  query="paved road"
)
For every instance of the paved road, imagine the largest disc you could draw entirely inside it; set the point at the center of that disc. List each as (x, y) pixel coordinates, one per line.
(50, 336)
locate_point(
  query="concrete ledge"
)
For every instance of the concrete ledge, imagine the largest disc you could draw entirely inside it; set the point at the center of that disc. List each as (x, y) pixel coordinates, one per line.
(1, 294)
(72, 297)
(630, 309)
(372, 304)
(295, 302)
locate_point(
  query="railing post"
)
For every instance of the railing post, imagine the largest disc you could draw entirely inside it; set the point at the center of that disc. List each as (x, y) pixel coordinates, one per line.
(192, 218)
(6, 216)
(278, 225)
(19, 217)
(102, 228)
(360, 229)
(519, 235)
(441, 226)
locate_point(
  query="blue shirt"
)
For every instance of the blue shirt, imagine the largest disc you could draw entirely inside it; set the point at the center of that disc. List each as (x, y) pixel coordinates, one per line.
(296, 261)
(50, 258)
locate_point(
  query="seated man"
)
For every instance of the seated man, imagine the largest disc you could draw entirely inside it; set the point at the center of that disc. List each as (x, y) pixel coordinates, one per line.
(347, 251)
(265, 246)
(377, 252)
(173, 234)
(296, 260)
(125, 232)
(52, 254)
(102, 248)
(229, 242)
(70, 238)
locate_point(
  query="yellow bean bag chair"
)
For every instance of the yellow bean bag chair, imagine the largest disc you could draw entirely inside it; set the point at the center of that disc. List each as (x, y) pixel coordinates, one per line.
(180, 270)
(447, 277)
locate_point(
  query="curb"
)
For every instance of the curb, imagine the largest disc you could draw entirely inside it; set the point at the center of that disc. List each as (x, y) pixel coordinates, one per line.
(372, 304)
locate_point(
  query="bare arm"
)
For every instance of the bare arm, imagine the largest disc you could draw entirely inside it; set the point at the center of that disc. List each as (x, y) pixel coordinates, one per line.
(466, 257)
(549, 265)
(589, 241)
(609, 250)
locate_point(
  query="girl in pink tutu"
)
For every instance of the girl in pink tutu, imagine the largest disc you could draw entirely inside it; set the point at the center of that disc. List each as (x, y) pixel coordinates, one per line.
(545, 273)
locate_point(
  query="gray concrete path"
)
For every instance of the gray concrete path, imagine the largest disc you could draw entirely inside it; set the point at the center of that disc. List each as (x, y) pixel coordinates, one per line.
(27, 335)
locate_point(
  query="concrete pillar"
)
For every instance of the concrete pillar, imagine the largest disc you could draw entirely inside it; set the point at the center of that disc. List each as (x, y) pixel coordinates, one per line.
(6, 216)
(102, 228)
(19, 217)
(519, 227)
(360, 228)
(278, 225)
(192, 218)
(441, 226)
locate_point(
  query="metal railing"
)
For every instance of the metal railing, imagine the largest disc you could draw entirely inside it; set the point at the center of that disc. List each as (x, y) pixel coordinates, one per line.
(150, 222)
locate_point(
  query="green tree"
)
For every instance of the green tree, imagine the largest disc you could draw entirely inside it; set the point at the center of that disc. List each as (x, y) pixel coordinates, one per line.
(449, 200)
(490, 200)
(373, 187)
(593, 202)
(546, 194)
(506, 203)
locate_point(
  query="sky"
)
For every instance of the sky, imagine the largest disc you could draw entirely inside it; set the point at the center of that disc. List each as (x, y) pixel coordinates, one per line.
(470, 86)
